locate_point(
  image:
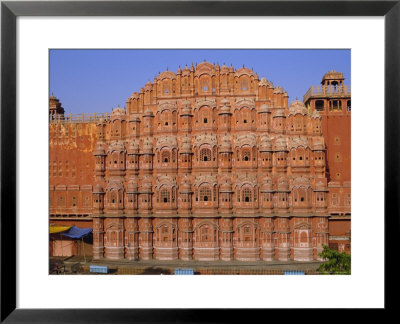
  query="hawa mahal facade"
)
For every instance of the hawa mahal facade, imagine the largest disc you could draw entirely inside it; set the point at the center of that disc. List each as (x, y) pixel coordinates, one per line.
(209, 163)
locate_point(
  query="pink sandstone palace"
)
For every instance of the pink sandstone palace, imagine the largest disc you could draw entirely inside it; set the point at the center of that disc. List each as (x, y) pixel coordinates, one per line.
(209, 163)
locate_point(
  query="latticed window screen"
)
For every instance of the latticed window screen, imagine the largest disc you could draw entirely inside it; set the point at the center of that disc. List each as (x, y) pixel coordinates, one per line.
(205, 194)
(244, 85)
(247, 194)
(205, 154)
(173, 155)
(165, 196)
(246, 155)
(206, 236)
(165, 156)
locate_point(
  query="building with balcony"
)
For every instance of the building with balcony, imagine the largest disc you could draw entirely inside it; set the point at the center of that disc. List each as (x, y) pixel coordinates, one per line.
(208, 163)
(332, 101)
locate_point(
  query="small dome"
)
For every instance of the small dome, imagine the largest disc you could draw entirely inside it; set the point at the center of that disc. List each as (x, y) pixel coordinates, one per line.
(281, 144)
(225, 108)
(297, 107)
(278, 113)
(134, 95)
(264, 109)
(224, 69)
(185, 186)
(185, 71)
(98, 188)
(283, 184)
(116, 146)
(148, 112)
(134, 118)
(318, 144)
(186, 108)
(99, 150)
(278, 89)
(296, 103)
(320, 186)
(265, 144)
(118, 113)
(267, 184)
(226, 186)
(132, 186)
(301, 182)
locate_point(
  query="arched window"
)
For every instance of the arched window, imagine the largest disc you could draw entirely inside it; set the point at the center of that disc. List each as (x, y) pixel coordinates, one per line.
(206, 234)
(246, 155)
(244, 85)
(205, 194)
(165, 156)
(165, 196)
(247, 195)
(205, 154)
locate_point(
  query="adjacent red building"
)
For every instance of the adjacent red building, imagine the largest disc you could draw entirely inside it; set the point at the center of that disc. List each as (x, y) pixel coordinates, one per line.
(209, 163)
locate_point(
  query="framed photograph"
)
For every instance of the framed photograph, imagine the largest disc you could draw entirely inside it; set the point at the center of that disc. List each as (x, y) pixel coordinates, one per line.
(36, 36)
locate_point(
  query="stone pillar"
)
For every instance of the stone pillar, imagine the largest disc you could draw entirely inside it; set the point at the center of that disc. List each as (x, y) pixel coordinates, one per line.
(267, 238)
(98, 238)
(283, 238)
(131, 238)
(185, 239)
(226, 239)
(145, 239)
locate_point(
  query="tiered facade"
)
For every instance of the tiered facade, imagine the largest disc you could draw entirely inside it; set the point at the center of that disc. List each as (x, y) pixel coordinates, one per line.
(207, 164)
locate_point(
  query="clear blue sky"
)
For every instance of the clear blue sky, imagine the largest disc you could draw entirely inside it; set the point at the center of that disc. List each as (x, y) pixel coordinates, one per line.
(99, 80)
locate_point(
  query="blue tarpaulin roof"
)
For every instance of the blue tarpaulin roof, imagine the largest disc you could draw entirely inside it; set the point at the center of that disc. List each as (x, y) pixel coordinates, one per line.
(77, 232)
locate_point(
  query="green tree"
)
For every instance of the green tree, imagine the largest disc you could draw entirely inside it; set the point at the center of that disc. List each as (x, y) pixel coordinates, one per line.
(335, 262)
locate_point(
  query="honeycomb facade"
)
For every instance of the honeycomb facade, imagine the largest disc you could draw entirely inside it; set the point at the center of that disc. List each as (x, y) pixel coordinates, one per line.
(209, 163)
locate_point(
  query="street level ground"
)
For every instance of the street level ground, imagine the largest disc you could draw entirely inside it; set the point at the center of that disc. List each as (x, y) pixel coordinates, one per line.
(81, 265)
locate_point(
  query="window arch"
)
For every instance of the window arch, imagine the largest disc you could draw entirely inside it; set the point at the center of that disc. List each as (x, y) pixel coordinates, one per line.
(247, 195)
(246, 154)
(207, 233)
(165, 196)
(205, 194)
(205, 154)
(165, 156)
(244, 85)
(245, 115)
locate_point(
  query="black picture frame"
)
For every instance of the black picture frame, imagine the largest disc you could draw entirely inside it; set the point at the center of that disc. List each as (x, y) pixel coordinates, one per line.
(10, 10)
